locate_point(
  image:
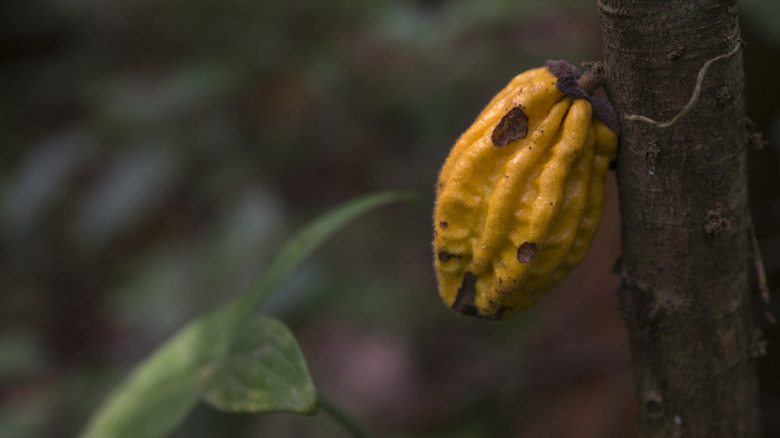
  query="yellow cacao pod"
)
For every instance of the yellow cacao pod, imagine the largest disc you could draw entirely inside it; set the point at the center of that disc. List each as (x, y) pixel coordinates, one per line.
(520, 195)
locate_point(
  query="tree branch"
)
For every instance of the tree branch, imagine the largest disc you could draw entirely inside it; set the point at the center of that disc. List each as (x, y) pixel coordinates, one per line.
(687, 247)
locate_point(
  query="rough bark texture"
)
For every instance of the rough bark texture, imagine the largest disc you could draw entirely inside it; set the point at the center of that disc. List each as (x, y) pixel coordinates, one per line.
(686, 265)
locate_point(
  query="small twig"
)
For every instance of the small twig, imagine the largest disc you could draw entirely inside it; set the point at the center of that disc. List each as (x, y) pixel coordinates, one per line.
(694, 97)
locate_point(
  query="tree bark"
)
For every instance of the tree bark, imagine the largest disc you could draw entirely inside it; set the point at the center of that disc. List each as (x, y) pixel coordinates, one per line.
(686, 229)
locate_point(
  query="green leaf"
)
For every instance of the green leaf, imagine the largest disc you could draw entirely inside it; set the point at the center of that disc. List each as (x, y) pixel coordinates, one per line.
(164, 388)
(264, 371)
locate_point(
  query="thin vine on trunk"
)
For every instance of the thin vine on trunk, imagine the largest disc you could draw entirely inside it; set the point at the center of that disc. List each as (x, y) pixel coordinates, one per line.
(675, 75)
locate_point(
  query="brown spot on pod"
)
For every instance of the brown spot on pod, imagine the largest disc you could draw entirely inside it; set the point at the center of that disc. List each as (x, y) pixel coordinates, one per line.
(513, 126)
(464, 301)
(445, 256)
(526, 252)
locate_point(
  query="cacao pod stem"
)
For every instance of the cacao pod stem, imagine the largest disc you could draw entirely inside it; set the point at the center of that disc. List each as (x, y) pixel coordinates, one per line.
(593, 78)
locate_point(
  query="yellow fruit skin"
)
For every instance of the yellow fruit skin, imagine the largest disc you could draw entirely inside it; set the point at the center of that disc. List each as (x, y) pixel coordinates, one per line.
(516, 207)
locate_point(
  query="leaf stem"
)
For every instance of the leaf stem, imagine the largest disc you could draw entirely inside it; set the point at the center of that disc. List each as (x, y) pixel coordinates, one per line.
(346, 421)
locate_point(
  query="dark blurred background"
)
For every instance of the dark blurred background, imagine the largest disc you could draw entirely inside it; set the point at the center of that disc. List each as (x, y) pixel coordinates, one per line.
(154, 154)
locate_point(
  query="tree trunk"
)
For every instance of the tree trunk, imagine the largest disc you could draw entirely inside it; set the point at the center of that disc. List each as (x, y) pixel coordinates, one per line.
(686, 229)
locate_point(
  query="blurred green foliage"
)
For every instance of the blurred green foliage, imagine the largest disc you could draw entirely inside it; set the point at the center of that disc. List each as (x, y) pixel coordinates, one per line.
(153, 154)
(230, 357)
